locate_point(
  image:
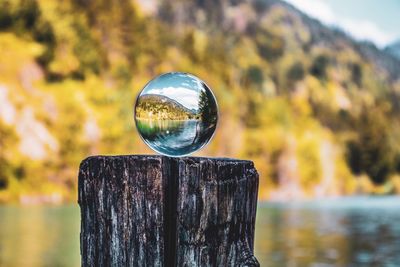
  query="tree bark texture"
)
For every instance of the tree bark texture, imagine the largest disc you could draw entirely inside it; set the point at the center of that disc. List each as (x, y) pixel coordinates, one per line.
(162, 211)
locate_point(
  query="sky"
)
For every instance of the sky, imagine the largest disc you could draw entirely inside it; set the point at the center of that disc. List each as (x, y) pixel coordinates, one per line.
(182, 95)
(183, 88)
(372, 20)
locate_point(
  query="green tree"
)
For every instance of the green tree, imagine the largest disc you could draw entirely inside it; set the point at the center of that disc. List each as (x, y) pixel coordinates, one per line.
(295, 73)
(207, 107)
(8, 139)
(371, 152)
(319, 67)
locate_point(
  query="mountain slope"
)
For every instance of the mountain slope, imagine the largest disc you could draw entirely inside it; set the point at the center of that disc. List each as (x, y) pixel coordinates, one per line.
(394, 49)
(160, 107)
(318, 112)
(248, 16)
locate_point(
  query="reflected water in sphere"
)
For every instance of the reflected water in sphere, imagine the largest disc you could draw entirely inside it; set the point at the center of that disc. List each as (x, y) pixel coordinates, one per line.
(176, 114)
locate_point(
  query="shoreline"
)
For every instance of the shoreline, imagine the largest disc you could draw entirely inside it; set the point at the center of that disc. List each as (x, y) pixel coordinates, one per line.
(141, 119)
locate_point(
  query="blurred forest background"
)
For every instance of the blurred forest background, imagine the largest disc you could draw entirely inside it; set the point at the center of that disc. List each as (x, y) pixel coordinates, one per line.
(315, 110)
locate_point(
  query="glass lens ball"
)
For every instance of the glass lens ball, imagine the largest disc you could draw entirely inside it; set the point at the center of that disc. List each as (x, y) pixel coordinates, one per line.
(176, 114)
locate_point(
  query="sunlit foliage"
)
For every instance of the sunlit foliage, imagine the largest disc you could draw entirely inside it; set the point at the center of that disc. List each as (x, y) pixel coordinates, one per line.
(299, 99)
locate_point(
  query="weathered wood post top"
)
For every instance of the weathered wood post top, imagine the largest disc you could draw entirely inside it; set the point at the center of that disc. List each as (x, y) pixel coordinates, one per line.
(159, 211)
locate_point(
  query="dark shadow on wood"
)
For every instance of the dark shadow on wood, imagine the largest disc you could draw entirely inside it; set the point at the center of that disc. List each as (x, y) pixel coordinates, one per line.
(171, 193)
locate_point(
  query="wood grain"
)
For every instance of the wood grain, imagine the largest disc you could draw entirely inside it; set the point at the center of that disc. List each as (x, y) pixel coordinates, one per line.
(162, 211)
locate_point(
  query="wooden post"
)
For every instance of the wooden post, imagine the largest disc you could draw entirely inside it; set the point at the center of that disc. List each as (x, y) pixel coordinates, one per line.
(162, 211)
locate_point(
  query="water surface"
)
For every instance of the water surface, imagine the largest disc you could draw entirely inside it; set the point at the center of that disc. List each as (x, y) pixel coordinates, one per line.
(345, 232)
(39, 236)
(175, 137)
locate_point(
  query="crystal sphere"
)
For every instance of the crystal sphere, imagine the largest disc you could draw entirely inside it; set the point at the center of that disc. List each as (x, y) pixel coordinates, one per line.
(176, 114)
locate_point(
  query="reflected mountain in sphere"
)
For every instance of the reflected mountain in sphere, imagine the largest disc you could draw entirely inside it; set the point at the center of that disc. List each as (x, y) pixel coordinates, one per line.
(176, 114)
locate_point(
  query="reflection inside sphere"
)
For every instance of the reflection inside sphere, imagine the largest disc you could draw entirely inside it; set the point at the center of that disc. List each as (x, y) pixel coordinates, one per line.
(176, 114)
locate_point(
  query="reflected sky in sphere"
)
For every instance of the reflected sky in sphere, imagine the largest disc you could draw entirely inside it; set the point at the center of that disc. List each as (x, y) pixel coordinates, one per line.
(176, 114)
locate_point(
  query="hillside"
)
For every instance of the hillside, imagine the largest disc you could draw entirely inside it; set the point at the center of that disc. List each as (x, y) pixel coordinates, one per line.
(317, 111)
(151, 106)
(394, 49)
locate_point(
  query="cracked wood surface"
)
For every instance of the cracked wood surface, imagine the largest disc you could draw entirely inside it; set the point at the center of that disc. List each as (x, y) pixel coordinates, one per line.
(162, 211)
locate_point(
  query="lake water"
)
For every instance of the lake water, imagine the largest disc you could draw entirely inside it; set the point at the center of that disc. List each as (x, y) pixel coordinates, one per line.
(174, 137)
(39, 236)
(349, 232)
(345, 232)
